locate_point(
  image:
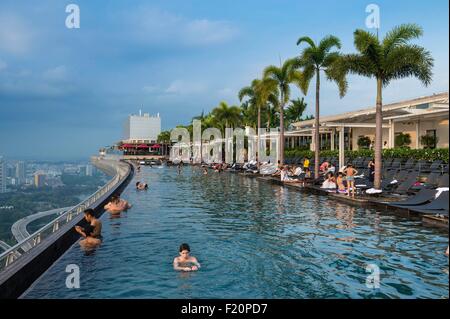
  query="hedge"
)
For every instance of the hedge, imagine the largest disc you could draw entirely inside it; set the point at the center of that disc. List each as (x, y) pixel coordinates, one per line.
(402, 153)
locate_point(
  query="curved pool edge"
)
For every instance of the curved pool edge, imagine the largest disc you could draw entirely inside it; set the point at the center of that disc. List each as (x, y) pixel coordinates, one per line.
(19, 276)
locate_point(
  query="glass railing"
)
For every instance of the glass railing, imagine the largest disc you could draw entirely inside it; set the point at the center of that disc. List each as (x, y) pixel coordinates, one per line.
(121, 172)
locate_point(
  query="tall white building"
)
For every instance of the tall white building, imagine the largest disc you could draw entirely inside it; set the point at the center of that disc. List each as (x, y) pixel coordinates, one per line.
(89, 170)
(20, 172)
(142, 128)
(2, 175)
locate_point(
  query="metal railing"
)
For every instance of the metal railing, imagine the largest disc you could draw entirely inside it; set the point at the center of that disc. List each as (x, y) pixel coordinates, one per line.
(122, 171)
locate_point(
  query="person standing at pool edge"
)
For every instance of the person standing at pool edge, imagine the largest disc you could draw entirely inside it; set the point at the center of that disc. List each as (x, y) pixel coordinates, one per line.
(185, 262)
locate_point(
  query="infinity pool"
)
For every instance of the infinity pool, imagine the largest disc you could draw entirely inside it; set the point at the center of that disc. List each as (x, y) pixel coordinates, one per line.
(254, 240)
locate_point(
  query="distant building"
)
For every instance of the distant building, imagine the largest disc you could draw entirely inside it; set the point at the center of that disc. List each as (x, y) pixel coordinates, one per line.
(89, 170)
(141, 135)
(20, 172)
(142, 129)
(39, 179)
(2, 175)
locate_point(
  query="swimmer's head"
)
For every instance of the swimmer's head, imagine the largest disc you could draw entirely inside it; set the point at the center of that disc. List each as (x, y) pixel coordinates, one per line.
(137, 184)
(114, 199)
(89, 214)
(185, 250)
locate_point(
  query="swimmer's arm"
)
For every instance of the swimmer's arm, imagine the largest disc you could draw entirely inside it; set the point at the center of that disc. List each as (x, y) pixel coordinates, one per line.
(195, 262)
(177, 267)
(80, 231)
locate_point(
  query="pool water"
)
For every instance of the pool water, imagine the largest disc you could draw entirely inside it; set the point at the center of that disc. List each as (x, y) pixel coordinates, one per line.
(254, 240)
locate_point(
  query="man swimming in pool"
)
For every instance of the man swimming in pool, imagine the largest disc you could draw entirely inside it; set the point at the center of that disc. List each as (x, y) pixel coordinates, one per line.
(185, 262)
(117, 205)
(92, 233)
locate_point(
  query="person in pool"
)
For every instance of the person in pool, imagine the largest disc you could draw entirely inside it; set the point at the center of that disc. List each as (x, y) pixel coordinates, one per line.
(185, 262)
(92, 233)
(141, 186)
(117, 205)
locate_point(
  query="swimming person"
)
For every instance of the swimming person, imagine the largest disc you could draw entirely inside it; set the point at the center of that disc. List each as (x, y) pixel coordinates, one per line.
(117, 205)
(92, 232)
(185, 262)
(350, 172)
(141, 186)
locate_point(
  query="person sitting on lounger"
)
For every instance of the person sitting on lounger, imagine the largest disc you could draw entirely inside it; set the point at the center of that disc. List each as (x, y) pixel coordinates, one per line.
(278, 171)
(340, 183)
(329, 182)
(324, 167)
(92, 232)
(185, 262)
(351, 173)
(285, 176)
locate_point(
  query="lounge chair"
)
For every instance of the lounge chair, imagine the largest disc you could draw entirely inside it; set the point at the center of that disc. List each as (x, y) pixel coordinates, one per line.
(443, 181)
(422, 197)
(406, 185)
(436, 166)
(409, 164)
(440, 203)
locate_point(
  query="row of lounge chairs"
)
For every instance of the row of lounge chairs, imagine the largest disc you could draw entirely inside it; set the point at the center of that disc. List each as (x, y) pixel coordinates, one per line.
(420, 166)
(426, 202)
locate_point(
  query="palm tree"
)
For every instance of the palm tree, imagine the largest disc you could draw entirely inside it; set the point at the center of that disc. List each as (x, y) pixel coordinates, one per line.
(387, 60)
(295, 110)
(227, 115)
(283, 77)
(313, 59)
(259, 94)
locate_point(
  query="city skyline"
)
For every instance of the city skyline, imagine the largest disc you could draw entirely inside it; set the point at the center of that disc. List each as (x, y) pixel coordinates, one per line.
(61, 87)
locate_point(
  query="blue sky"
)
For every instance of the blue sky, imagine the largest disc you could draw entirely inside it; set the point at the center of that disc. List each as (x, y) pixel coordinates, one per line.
(66, 92)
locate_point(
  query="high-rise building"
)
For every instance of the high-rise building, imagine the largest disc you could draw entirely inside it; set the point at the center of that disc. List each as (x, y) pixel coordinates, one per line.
(89, 170)
(20, 172)
(2, 175)
(142, 128)
(39, 179)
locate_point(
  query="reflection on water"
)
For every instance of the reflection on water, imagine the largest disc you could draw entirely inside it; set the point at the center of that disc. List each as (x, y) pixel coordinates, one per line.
(254, 240)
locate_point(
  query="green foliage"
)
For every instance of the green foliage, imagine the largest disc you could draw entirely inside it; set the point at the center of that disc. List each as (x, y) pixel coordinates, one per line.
(402, 140)
(402, 153)
(164, 137)
(429, 141)
(364, 142)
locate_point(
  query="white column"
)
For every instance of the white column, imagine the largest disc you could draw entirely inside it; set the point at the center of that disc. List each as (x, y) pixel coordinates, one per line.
(333, 131)
(391, 134)
(341, 147)
(417, 134)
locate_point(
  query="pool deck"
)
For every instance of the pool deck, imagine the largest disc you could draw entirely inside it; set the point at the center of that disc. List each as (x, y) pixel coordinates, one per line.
(379, 202)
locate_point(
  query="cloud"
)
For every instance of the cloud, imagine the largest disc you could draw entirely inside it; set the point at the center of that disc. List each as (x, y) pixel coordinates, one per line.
(157, 27)
(56, 74)
(15, 35)
(184, 87)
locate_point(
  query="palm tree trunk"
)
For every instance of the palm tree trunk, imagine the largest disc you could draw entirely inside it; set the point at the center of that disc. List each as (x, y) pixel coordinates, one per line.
(378, 134)
(282, 129)
(258, 136)
(317, 128)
